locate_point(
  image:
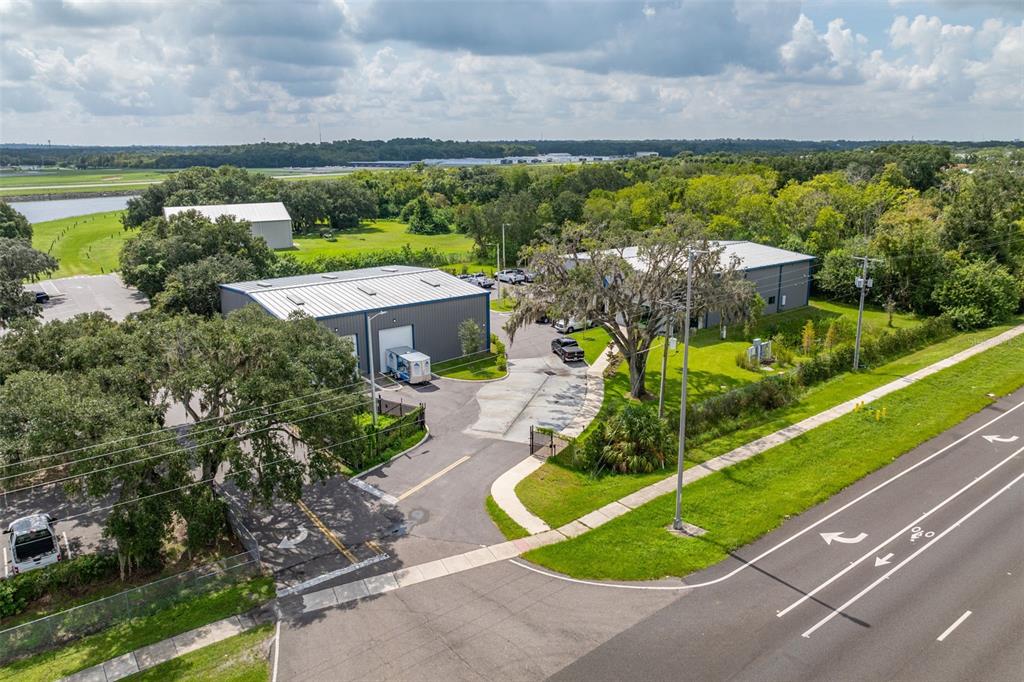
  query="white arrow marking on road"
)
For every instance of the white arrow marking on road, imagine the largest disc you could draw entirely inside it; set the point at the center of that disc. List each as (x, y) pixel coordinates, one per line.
(883, 560)
(1000, 439)
(289, 543)
(838, 537)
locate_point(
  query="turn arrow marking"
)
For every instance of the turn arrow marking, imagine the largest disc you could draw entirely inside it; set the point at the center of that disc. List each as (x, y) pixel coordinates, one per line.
(1001, 439)
(290, 543)
(883, 560)
(838, 537)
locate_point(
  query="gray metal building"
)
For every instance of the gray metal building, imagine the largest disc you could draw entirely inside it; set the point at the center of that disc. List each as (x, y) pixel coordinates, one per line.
(782, 277)
(422, 307)
(269, 220)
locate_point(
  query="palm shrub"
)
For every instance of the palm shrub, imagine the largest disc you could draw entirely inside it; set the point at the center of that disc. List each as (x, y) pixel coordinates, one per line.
(638, 441)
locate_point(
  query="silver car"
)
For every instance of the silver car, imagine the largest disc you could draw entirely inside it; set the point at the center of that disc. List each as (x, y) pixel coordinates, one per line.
(33, 544)
(510, 276)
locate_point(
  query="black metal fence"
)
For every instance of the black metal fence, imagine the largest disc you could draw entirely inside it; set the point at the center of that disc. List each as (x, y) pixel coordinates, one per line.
(397, 409)
(411, 419)
(545, 442)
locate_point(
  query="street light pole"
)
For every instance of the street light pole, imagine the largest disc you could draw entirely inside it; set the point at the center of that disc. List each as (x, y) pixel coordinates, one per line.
(504, 249)
(373, 382)
(677, 523)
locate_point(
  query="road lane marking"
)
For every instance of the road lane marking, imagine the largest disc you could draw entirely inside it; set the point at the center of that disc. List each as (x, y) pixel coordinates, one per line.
(327, 532)
(910, 558)
(952, 627)
(439, 474)
(913, 525)
(374, 546)
(883, 560)
(829, 538)
(1000, 439)
(798, 534)
(277, 649)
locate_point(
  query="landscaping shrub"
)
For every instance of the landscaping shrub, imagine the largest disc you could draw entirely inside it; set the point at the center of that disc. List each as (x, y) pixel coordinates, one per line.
(469, 336)
(768, 394)
(978, 294)
(638, 441)
(65, 577)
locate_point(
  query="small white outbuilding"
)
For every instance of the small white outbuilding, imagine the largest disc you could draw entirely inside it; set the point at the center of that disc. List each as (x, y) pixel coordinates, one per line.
(268, 220)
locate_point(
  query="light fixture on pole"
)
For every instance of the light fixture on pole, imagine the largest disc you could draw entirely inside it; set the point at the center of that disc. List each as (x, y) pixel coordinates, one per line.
(863, 282)
(369, 347)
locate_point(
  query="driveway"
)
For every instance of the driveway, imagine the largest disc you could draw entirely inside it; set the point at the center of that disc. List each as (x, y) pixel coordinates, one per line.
(70, 296)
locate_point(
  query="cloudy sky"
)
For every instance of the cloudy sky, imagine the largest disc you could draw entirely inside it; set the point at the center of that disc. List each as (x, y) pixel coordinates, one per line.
(204, 72)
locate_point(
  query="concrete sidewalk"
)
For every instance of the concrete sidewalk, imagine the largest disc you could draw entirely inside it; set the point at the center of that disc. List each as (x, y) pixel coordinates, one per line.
(179, 645)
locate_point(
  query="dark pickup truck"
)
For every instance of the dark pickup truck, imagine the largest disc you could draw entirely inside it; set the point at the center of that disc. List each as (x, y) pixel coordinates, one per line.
(566, 348)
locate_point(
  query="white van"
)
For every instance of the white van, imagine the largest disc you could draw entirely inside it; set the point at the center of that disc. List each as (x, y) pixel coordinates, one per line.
(33, 544)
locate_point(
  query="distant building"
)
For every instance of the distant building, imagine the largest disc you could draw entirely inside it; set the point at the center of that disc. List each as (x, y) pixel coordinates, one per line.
(782, 277)
(268, 220)
(422, 307)
(641, 155)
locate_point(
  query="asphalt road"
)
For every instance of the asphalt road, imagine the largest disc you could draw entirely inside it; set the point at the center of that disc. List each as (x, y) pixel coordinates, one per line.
(920, 543)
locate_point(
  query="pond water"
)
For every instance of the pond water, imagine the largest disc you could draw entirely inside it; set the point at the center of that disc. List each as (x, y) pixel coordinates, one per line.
(41, 211)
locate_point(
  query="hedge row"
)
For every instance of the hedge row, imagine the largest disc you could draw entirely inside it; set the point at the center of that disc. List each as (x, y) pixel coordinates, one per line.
(65, 577)
(428, 257)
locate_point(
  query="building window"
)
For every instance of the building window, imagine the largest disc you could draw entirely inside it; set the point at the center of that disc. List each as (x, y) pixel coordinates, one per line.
(771, 300)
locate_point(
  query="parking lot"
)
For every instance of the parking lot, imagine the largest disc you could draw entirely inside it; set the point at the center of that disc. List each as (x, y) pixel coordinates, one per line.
(70, 296)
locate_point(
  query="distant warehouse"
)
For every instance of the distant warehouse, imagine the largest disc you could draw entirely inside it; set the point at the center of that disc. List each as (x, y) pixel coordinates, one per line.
(268, 220)
(422, 307)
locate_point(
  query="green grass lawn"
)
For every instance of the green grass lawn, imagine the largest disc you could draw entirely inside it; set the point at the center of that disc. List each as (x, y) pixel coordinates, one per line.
(480, 367)
(237, 659)
(138, 632)
(749, 499)
(378, 235)
(502, 305)
(84, 245)
(559, 494)
(119, 179)
(508, 527)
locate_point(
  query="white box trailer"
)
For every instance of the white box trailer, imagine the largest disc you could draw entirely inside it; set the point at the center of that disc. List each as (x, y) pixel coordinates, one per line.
(408, 364)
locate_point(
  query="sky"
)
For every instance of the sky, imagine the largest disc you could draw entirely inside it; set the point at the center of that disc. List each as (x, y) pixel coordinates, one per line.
(115, 72)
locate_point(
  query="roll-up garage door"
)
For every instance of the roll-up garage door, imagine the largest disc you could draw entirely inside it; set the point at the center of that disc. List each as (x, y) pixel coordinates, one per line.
(393, 338)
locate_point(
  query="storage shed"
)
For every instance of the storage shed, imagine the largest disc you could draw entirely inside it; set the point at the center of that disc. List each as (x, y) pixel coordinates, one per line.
(268, 220)
(421, 308)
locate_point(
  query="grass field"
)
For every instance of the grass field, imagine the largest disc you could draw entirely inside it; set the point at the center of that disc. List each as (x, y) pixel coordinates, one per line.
(471, 368)
(505, 523)
(378, 235)
(236, 659)
(84, 245)
(139, 632)
(559, 494)
(740, 504)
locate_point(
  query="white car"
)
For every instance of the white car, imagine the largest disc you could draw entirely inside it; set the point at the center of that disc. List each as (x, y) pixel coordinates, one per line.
(510, 276)
(33, 544)
(571, 325)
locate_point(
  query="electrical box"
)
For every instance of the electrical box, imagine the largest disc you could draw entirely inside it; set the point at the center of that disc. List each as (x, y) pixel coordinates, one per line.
(672, 343)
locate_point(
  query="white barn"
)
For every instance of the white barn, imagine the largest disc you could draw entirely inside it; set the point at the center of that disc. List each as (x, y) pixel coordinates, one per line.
(268, 220)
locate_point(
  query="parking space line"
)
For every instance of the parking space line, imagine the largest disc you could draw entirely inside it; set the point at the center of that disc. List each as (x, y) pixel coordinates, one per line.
(439, 474)
(327, 532)
(952, 627)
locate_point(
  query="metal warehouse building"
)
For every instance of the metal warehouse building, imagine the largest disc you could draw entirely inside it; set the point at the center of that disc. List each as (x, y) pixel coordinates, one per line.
(269, 220)
(782, 277)
(422, 307)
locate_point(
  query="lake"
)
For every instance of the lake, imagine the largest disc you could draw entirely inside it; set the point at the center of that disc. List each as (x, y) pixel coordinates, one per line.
(41, 211)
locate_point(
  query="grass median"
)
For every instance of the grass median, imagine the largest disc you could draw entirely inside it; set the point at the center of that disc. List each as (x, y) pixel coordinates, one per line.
(747, 500)
(559, 494)
(505, 523)
(242, 658)
(480, 367)
(139, 632)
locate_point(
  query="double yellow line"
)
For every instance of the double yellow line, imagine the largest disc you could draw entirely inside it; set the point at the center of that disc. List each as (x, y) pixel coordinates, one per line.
(328, 533)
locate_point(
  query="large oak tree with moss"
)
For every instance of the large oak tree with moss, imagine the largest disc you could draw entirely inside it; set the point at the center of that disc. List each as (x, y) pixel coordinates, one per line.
(629, 283)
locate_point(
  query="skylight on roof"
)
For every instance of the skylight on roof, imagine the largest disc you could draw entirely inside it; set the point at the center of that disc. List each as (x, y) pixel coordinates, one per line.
(264, 284)
(367, 290)
(295, 299)
(390, 269)
(430, 282)
(326, 276)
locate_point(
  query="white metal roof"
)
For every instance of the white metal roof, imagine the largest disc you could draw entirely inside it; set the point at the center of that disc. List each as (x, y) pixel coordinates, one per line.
(254, 213)
(354, 291)
(751, 254)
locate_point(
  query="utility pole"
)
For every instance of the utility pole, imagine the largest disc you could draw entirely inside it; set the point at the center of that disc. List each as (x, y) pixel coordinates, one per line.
(677, 523)
(504, 250)
(664, 365)
(863, 283)
(373, 381)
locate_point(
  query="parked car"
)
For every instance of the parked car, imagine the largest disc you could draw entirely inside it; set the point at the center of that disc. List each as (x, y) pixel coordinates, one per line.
(527, 275)
(571, 325)
(566, 348)
(33, 543)
(510, 276)
(482, 280)
(41, 296)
